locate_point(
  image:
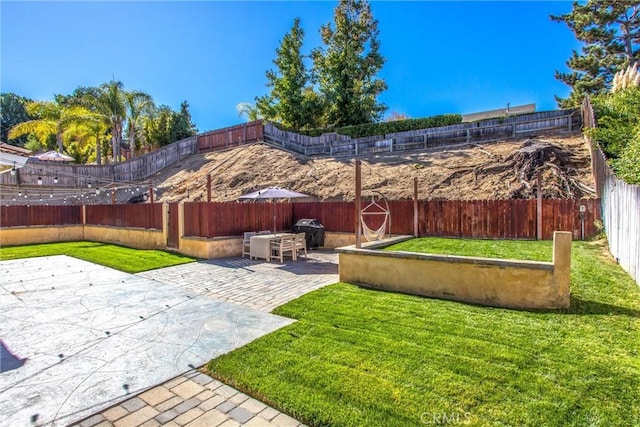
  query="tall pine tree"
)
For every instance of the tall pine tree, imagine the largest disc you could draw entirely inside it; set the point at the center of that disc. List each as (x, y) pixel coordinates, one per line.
(346, 68)
(284, 103)
(610, 32)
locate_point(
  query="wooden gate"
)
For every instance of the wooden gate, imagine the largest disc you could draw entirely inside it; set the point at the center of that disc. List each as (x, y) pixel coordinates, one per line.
(173, 235)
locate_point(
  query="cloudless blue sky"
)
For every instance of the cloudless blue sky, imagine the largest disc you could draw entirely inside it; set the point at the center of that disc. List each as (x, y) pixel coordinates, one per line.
(441, 57)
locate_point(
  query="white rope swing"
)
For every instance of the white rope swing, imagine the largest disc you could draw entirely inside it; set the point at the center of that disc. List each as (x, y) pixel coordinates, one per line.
(368, 233)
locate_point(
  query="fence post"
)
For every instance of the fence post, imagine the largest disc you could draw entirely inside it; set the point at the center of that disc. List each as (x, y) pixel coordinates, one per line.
(208, 187)
(165, 224)
(357, 203)
(562, 265)
(416, 230)
(539, 207)
(468, 135)
(513, 126)
(180, 223)
(150, 191)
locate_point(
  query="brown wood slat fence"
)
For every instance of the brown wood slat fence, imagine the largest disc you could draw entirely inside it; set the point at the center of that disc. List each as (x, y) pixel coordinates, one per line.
(24, 216)
(333, 144)
(218, 219)
(500, 219)
(79, 176)
(135, 216)
(232, 136)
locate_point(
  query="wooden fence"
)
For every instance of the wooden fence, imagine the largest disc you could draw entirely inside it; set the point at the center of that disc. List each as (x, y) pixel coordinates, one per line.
(76, 176)
(135, 170)
(333, 144)
(499, 219)
(147, 216)
(620, 205)
(230, 137)
(25, 216)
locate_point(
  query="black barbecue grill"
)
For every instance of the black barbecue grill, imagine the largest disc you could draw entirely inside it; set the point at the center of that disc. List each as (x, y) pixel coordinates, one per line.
(314, 232)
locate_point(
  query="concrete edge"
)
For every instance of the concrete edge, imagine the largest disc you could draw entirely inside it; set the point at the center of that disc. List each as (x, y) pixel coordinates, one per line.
(372, 249)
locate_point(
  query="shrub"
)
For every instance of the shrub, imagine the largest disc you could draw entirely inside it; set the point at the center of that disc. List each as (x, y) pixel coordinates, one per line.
(383, 128)
(618, 131)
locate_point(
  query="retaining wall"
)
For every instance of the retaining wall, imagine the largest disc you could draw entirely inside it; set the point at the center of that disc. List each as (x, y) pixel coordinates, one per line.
(492, 282)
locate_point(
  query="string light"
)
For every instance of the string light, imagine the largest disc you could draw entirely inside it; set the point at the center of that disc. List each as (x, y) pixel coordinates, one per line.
(76, 193)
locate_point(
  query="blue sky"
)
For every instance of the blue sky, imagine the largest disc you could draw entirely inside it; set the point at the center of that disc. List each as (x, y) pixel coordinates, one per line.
(441, 57)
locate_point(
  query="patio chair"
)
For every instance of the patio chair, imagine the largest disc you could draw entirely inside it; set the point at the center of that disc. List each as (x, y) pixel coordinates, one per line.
(300, 243)
(246, 243)
(283, 246)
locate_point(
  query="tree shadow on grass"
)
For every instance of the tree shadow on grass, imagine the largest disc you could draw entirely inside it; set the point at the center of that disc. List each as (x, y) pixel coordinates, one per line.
(585, 307)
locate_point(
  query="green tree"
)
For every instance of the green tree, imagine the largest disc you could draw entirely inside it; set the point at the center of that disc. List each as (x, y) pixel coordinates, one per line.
(108, 102)
(248, 111)
(609, 31)
(54, 119)
(157, 127)
(618, 130)
(14, 111)
(312, 108)
(181, 125)
(346, 68)
(138, 105)
(285, 101)
(78, 97)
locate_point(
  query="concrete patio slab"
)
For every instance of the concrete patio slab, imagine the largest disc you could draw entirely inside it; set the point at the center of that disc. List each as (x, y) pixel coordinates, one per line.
(78, 337)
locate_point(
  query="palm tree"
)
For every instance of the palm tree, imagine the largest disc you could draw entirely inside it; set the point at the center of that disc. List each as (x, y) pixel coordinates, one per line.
(88, 130)
(55, 119)
(248, 111)
(109, 104)
(138, 105)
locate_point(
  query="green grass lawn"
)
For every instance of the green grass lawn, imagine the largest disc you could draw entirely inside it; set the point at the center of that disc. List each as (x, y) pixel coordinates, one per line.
(359, 357)
(510, 249)
(117, 257)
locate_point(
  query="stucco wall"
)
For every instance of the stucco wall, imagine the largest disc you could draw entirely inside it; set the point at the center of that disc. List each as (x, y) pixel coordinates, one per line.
(211, 248)
(138, 238)
(334, 240)
(493, 282)
(13, 236)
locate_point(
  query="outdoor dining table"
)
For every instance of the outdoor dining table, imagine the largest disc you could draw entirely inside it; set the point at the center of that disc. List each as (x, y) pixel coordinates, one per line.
(260, 245)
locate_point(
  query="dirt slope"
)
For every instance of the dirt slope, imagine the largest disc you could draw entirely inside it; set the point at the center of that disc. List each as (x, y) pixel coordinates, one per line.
(492, 171)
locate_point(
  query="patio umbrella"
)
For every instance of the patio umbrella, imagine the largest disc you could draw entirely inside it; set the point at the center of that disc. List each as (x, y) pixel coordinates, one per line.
(272, 193)
(53, 156)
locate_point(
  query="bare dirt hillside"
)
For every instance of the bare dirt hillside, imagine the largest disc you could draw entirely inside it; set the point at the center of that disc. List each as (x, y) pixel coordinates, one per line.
(492, 171)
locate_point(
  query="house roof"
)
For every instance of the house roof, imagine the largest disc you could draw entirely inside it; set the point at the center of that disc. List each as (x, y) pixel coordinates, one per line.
(12, 149)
